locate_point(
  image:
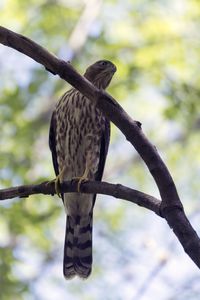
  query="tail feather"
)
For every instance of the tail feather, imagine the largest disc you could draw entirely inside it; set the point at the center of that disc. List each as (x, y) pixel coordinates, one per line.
(78, 247)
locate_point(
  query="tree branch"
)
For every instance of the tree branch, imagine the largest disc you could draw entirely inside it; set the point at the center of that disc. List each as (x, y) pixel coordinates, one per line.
(171, 207)
(93, 187)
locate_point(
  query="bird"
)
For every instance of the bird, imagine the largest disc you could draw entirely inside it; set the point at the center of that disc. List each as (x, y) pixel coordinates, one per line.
(79, 137)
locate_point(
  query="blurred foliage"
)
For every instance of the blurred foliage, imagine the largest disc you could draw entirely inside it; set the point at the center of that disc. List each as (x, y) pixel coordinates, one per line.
(155, 45)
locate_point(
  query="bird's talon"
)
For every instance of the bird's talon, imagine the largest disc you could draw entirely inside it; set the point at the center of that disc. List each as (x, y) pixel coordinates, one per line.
(56, 182)
(81, 180)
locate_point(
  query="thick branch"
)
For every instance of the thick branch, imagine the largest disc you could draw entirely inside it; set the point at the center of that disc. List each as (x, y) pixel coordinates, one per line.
(171, 207)
(94, 187)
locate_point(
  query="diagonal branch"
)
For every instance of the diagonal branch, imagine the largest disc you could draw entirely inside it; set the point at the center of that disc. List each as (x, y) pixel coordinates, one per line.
(94, 187)
(171, 207)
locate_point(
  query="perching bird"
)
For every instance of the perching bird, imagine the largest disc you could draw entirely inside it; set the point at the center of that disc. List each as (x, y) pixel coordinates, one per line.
(79, 138)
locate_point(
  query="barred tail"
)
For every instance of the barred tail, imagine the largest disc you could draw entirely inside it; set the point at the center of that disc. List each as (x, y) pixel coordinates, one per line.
(78, 247)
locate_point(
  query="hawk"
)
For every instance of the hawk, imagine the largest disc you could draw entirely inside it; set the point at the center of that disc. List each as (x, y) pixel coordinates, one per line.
(78, 139)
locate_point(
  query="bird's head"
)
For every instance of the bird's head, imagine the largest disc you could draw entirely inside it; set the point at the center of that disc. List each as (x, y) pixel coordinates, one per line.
(100, 73)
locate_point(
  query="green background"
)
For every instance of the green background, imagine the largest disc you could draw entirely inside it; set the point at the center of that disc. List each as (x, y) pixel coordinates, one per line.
(156, 47)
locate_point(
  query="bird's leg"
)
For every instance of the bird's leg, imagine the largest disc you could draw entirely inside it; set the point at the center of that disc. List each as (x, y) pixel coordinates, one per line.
(57, 181)
(83, 178)
(57, 185)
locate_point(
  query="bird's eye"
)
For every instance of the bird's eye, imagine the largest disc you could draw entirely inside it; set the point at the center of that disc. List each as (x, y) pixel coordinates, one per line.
(103, 63)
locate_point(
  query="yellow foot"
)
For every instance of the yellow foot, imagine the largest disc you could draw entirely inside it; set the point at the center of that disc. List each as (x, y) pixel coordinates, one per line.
(57, 185)
(82, 179)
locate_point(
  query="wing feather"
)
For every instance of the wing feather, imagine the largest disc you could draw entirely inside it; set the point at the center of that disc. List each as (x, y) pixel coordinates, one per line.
(105, 140)
(52, 143)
